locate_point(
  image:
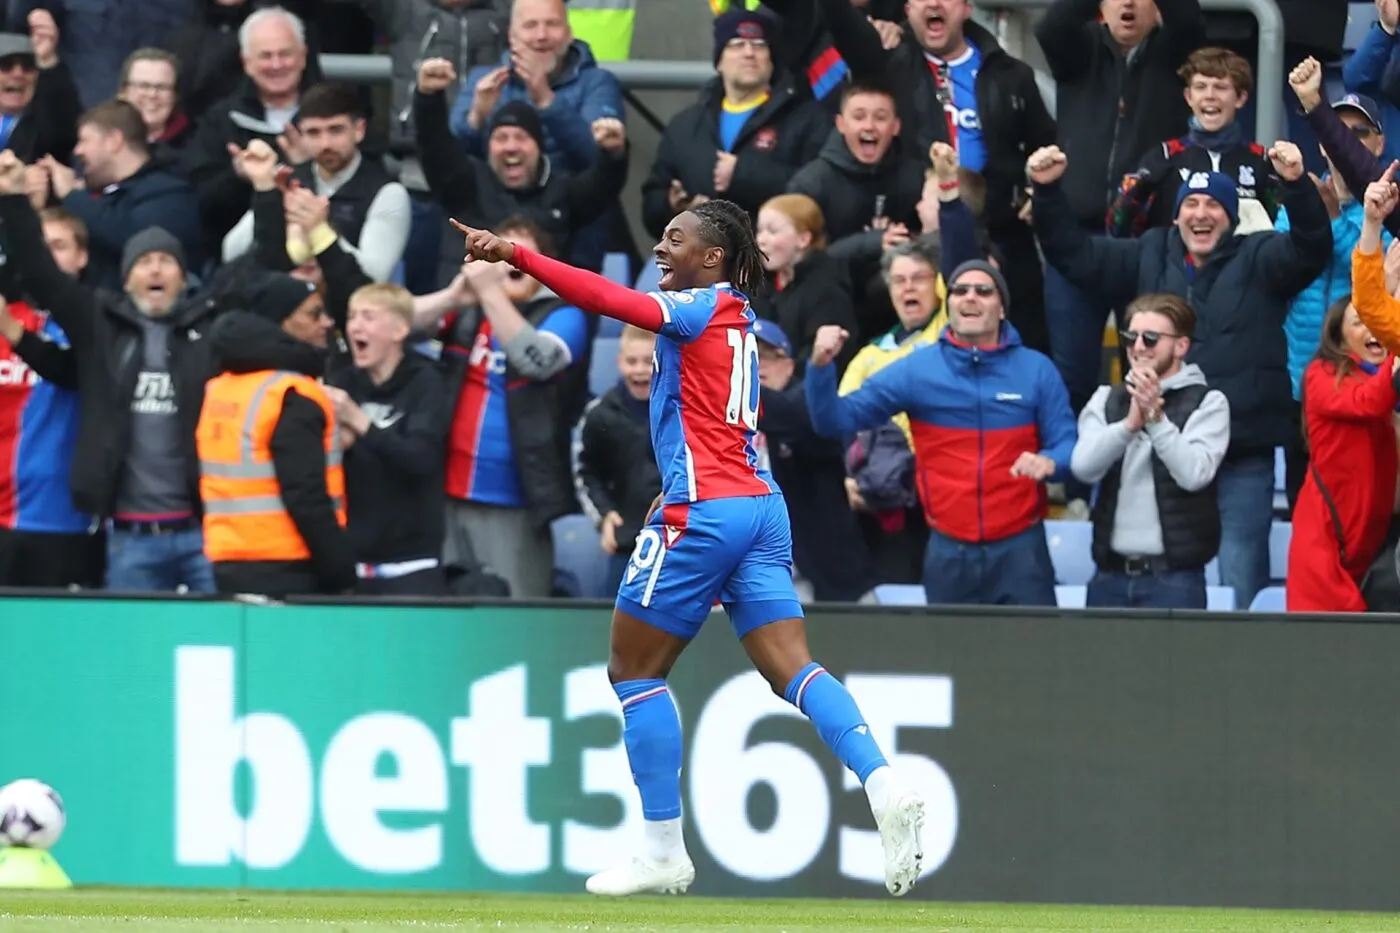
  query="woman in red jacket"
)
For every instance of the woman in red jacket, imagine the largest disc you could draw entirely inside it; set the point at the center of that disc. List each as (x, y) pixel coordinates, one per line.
(1344, 508)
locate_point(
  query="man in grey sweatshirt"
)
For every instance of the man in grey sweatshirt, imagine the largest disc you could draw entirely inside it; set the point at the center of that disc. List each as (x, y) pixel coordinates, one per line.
(1154, 444)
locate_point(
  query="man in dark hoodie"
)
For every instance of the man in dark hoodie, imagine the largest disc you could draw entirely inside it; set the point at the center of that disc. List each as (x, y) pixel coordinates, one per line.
(123, 191)
(393, 416)
(516, 179)
(269, 449)
(142, 363)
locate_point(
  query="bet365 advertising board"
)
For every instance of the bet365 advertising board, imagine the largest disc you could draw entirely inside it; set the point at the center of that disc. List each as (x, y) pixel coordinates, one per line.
(1084, 758)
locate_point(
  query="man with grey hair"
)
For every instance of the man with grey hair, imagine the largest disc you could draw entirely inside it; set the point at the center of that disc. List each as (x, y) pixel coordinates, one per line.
(141, 369)
(272, 43)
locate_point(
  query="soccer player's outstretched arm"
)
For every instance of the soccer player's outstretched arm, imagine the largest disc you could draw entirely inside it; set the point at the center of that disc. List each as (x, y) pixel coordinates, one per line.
(590, 291)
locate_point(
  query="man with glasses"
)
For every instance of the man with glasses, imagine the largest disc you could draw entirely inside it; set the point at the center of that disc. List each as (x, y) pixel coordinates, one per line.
(991, 424)
(1154, 444)
(1240, 287)
(745, 138)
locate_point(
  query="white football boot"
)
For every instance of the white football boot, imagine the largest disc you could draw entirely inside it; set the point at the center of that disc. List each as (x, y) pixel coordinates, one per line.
(644, 876)
(901, 834)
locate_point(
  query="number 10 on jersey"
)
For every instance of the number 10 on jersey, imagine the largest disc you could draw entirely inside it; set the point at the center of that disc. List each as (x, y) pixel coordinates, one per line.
(743, 380)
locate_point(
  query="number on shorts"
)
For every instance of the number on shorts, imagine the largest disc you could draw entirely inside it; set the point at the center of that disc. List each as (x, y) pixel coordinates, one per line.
(743, 380)
(648, 555)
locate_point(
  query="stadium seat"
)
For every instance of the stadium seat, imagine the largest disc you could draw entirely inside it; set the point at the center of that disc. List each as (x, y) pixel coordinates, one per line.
(1071, 597)
(1360, 18)
(900, 594)
(648, 278)
(1280, 534)
(1220, 599)
(1269, 599)
(602, 368)
(581, 567)
(1213, 572)
(1280, 482)
(1069, 551)
(615, 268)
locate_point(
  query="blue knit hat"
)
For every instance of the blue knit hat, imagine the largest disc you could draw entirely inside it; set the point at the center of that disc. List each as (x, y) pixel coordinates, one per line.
(1212, 185)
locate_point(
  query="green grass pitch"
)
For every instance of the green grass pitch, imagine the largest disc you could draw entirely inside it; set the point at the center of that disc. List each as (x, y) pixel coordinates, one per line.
(153, 911)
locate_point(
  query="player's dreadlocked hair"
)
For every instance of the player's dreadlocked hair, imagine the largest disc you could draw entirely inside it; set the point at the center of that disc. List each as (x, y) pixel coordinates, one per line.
(726, 225)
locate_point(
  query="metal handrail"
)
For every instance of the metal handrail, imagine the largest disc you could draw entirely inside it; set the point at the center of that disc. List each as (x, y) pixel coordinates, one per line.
(657, 75)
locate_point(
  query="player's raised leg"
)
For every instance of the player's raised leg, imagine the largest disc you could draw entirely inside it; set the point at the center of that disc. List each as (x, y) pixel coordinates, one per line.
(768, 619)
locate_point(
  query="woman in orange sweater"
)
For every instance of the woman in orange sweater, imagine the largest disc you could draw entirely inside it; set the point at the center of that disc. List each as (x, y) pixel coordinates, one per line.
(1344, 507)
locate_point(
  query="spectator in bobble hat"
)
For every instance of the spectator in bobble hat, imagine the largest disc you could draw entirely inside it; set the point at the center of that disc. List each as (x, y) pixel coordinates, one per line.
(392, 410)
(516, 177)
(746, 136)
(811, 471)
(616, 473)
(991, 424)
(142, 365)
(1239, 286)
(269, 449)
(1154, 444)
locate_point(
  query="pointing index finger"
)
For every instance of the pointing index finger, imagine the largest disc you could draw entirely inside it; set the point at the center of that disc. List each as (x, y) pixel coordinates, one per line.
(460, 226)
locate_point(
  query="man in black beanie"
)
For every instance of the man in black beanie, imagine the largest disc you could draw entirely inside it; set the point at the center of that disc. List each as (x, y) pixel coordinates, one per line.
(747, 135)
(269, 449)
(142, 362)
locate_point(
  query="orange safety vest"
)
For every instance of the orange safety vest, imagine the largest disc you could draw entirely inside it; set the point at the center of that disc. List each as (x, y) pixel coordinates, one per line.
(244, 517)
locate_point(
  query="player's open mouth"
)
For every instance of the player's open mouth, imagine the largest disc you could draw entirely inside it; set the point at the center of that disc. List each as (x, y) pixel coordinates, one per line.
(663, 267)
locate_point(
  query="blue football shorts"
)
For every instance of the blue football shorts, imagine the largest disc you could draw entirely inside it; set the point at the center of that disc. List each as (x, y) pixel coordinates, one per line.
(736, 551)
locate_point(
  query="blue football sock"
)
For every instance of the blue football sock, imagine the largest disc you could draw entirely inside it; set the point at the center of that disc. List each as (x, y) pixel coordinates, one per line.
(651, 730)
(827, 702)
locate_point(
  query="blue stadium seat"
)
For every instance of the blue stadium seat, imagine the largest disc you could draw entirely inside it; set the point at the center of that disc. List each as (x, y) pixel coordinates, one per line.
(1220, 598)
(1071, 597)
(602, 368)
(1213, 572)
(1069, 551)
(1360, 18)
(580, 564)
(648, 278)
(900, 594)
(1280, 482)
(1280, 534)
(1269, 599)
(615, 268)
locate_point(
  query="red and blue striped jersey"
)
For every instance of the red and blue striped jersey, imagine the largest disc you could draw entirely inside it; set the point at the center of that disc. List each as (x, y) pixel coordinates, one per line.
(480, 455)
(704, 397)
(38, 428)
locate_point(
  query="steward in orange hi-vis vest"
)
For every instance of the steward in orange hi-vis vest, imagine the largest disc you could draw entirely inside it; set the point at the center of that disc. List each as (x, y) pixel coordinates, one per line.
(270, 475)
(244, 517)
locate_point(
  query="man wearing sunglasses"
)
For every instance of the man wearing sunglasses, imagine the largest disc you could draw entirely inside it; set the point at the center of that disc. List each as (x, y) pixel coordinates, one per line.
(1154, 444)
(991, 424)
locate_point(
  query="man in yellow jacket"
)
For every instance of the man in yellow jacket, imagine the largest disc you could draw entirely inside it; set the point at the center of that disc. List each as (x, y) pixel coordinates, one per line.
(269, 449)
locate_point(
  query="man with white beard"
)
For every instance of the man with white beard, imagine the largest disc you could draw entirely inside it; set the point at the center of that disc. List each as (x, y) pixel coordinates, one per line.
(1154, 444)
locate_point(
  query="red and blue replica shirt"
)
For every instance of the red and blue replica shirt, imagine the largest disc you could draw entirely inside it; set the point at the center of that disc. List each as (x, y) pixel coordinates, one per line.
(704, 397)
(972, 413)
(480, 455)
(38, 428)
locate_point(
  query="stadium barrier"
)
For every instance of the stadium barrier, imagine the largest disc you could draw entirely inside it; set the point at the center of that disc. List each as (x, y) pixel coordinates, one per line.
(1068, 757)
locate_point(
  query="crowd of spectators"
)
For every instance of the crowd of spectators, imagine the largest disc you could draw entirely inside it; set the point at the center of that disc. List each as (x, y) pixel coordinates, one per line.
(240, 351)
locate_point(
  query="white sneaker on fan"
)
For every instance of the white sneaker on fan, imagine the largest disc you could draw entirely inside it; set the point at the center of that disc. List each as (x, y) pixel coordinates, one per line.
(642, 876)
